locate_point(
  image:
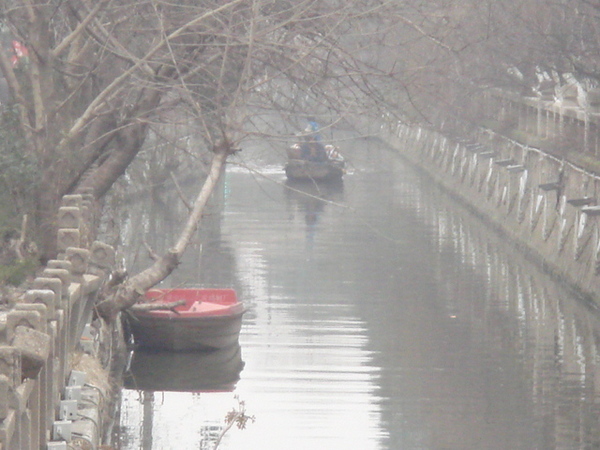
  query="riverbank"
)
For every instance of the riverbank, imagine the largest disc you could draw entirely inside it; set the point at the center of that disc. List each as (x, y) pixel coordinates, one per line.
(55, 359)
(546, 205)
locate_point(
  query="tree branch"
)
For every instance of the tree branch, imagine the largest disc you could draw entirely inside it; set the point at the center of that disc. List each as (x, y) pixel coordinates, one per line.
(135, 287)
(110, 90)
(64, 44)
(157, 306)
(15, 88)
(180, 192)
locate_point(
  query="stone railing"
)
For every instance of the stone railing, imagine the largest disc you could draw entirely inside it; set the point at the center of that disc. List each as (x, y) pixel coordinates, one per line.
(566, 124)
(48, 397)
(547, 205)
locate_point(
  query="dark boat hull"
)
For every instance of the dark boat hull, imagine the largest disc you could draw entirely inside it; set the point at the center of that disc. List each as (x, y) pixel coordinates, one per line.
(300, 169)
(184, 334)
(209, 319)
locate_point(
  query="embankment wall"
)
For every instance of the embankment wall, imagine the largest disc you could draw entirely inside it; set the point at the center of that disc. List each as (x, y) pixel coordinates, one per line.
(546, 205)
(53, 367)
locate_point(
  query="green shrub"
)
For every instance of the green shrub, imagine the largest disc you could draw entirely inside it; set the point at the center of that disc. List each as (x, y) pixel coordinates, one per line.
(15, 274)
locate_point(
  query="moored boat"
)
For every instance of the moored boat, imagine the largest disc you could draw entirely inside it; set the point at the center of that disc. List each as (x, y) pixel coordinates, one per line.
(325, 165)
(208, 319)
(301, 169)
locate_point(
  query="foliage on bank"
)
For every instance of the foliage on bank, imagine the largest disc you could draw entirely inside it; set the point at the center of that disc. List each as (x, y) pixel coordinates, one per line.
(18, 180)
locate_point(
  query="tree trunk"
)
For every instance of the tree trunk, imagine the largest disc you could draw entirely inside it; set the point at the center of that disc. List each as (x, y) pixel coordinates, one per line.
(128, 142)
(133, 289)
(45, 219)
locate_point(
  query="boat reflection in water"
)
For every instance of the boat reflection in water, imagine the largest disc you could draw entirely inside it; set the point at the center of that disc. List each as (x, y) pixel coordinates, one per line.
(167, 392)
(310, 197)
(303, 190)
(154, 370)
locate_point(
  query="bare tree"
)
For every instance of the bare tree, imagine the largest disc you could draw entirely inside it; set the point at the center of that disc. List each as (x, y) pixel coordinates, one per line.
(98, 76)
(93, 79)
(524, 47)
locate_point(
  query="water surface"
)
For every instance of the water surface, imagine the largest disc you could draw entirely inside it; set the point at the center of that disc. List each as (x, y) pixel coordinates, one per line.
(385, 317)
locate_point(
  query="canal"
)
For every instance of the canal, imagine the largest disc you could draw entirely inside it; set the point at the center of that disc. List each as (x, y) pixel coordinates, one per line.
(381, 315)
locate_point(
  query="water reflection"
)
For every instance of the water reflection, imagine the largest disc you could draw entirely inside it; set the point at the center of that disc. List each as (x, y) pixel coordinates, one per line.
(311, 382)
(171, 419)
(310, 199)
(506, 357)
(163, 384)
(217, 370)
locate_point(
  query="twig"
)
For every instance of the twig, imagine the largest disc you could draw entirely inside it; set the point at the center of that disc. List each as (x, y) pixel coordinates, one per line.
(153, 255)
(237, 416)
(116, 278)
(180, 192)
(20, 244)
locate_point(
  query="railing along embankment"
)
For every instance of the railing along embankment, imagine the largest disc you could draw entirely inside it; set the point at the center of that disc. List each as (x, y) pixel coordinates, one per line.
(52, 384)
(548, 205)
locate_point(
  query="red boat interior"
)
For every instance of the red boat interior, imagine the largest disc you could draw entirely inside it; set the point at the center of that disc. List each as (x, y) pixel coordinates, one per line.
(198, 302)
